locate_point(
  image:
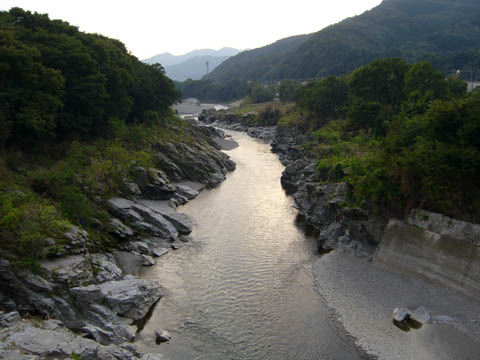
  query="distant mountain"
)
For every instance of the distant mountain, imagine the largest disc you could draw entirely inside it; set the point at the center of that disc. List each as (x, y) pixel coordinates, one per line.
(167, 59)
(415, 30)
(194, 68)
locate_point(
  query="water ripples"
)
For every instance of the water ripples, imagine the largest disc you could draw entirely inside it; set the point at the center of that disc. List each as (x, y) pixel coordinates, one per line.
(242, 290)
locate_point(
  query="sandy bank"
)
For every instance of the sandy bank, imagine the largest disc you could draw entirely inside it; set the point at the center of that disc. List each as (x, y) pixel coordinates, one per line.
(363, 296)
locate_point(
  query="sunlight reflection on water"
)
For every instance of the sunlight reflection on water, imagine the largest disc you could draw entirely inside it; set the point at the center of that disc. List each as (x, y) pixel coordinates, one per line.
(242, 289)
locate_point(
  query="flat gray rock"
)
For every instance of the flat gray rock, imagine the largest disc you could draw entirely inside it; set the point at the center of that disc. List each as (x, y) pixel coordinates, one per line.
(400, 314)
(128, 262)
(166, 228)
(186, 191)
(183, 223)
(130, 298)
(157, 252)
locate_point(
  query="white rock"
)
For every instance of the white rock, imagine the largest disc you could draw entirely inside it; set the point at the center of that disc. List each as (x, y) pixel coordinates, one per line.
(162, 335)
(400, 314)
(421, 314)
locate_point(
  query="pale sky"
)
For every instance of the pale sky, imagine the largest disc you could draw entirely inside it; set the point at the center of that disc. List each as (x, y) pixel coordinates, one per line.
(150, 27)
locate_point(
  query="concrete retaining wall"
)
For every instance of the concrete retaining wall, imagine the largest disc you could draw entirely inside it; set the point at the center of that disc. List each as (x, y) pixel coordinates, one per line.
(419, 252)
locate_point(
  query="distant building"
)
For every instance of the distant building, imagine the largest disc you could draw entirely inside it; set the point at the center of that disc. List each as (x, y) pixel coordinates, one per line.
(471, 76)
(472, 85)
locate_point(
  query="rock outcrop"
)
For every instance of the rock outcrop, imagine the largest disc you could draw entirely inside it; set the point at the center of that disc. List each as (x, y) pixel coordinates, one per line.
(238, 122)
(425, 244)
(324, 206)
(98, 294)
(24, 339)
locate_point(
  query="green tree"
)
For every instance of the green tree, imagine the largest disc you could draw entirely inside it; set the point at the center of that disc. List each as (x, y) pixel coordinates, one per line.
(382, 81)
(288, 89)
(58, 82)
(326, 98)
(261, 94)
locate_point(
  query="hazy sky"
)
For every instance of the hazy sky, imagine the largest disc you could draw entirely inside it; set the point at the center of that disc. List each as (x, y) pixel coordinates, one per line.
(150, 27)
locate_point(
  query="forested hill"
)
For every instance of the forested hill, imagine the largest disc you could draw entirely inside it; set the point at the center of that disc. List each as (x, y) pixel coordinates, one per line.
(59, 83)
(445, 32)
(255, 64)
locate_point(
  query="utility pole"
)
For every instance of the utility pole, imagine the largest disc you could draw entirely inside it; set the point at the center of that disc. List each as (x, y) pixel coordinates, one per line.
(206, 63)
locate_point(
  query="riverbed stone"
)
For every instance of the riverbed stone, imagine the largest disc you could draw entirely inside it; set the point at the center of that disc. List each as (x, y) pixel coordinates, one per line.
(422, 315)
(176, 246)
(157, 252)
(162, 335)
(147, 260)
(401, 314)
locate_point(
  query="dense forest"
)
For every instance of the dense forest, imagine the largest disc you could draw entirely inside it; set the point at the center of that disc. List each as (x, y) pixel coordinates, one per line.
(57, 83)
(402, 135)
(443, 32)
(78, 114)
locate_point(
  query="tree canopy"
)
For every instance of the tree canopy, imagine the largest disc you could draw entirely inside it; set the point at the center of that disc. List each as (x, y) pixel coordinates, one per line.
(402, 135)
(59, 83)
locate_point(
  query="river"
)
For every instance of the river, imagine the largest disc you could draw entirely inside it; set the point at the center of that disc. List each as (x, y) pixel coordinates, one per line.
(242, 288)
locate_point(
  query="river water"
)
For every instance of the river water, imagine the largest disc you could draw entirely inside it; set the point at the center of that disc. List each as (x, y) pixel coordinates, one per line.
(242, 288)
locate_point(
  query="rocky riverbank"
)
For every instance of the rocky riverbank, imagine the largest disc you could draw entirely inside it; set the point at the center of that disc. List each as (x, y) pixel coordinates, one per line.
(427, 263)
(232, 121)
(322, 206)
(96, 299)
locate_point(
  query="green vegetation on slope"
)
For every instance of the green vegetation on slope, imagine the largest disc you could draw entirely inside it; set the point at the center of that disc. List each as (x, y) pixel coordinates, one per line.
(400, 134)
(443, 32)
(77, 114)
(256, 64)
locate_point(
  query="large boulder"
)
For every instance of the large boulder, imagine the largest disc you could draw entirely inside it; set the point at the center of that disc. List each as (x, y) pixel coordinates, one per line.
(49, 339)
(131, 298)
(198, 163)
(165, 227)
(183, 223)
(142, 218)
